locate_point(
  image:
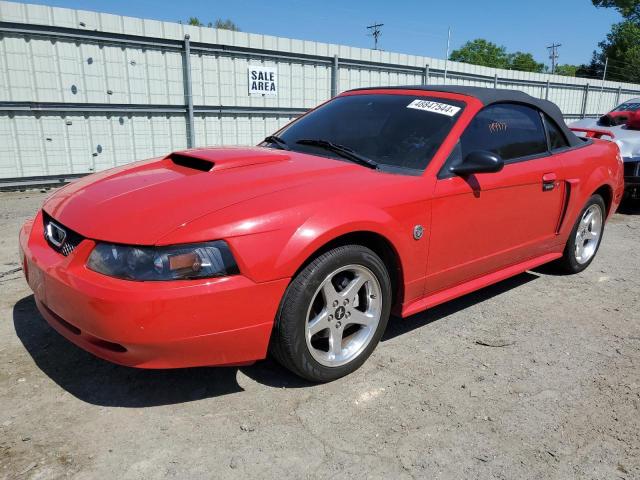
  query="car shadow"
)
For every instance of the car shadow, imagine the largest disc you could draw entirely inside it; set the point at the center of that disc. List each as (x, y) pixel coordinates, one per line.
(398, 326)
(99, 382)
(629, 206)
(102, 383)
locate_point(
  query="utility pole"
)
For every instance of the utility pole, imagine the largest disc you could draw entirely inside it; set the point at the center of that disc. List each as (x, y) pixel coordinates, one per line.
(446, 57)
(375, 33)
(604, 76)
(553, 55)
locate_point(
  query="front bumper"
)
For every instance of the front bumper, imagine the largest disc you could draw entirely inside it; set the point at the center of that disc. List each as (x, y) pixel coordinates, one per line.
(632, 177)
(220, 321)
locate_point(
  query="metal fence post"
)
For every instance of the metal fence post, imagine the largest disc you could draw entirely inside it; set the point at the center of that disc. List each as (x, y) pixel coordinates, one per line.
(136, 46)
(546, 92)
(584, 101)
(334, 76)
(188, 93)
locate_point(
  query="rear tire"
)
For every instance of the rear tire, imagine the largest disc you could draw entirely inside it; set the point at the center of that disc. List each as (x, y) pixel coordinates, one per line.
(333, 314)
(585, 237)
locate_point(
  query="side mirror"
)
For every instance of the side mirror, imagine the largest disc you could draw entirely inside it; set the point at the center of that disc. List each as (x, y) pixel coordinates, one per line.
(480, 161)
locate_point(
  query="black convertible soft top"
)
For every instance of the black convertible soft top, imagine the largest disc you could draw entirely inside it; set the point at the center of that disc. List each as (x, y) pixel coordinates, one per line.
(490, 96)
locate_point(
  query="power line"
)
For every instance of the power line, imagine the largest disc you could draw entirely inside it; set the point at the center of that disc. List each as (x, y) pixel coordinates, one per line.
(553, 49)
(375, 33)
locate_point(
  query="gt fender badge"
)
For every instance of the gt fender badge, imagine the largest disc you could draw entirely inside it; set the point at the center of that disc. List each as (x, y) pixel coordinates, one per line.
(418, 231)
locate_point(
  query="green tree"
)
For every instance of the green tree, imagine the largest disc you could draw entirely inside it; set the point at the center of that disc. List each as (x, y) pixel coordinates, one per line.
(488, 54)
(629, 9)
(622, 48)
(219, 23)
(567, 70)
(593, 69)
(226, 25)
(481, 52)
(524, 62)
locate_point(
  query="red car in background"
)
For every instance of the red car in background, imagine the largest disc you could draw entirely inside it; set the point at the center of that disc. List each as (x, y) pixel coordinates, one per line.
(622, 114)
(622, 126)
(381, 200)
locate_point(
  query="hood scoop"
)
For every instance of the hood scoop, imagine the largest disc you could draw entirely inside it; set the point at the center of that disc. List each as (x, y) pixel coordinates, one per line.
(216, 159)
(188, 161)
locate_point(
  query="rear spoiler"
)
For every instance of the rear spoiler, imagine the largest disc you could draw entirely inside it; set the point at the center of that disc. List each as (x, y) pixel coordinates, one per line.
(594, 132)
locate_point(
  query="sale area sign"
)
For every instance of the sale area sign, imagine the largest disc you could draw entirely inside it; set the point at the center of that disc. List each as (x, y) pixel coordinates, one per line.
(263, 80)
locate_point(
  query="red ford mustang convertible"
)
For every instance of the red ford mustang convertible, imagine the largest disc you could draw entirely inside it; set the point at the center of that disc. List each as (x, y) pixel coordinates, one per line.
(380, 200)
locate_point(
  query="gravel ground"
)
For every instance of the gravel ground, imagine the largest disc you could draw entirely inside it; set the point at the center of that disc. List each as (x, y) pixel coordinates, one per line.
(556, 396)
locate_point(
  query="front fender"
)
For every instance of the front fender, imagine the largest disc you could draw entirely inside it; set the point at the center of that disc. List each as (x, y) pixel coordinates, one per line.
(326, 226)
(280, 253)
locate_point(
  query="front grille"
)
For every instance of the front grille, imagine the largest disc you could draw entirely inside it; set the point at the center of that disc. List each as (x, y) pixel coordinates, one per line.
(71, 239)
(631, 169)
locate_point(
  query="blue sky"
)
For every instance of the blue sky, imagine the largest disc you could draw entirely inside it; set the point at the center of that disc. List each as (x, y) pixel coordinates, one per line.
(410, 26)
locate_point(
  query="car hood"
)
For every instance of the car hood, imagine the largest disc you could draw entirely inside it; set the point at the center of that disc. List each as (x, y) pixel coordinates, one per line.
(141, 202)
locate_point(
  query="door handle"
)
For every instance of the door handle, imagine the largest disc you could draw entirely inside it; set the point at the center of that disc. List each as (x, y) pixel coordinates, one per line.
(548, 181)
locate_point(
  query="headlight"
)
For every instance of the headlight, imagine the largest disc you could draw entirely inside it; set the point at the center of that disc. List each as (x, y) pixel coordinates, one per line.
(176, 262)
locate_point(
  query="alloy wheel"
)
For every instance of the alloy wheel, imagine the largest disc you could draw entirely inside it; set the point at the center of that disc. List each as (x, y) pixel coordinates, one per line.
(588, 234)
(343, 315)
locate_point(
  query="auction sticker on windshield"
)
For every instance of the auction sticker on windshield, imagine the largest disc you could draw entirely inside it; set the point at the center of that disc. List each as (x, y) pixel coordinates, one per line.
(435, 107)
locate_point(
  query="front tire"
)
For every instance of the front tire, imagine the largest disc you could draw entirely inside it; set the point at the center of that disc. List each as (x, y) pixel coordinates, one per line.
(333, 314)
(585, 237)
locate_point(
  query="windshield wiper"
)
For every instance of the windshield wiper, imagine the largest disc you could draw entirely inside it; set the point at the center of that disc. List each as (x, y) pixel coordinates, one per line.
(344, 152)
(279, 142)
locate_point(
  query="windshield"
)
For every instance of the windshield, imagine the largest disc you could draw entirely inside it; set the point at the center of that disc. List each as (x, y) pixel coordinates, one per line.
(627, 107)
(396, 132)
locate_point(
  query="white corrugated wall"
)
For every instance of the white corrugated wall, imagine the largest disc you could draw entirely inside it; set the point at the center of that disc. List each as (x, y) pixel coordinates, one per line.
(37, 69)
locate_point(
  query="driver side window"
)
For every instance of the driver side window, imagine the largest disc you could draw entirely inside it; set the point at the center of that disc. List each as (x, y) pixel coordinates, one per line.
(512, 131)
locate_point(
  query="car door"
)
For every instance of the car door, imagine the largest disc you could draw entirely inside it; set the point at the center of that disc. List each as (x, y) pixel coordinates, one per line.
(488, 221)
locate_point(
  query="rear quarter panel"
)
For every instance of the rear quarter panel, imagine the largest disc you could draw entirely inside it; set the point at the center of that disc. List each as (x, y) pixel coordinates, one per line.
(587, 169)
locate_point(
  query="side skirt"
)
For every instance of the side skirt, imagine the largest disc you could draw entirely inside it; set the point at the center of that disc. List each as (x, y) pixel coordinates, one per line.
(475, 284)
